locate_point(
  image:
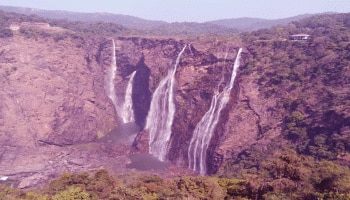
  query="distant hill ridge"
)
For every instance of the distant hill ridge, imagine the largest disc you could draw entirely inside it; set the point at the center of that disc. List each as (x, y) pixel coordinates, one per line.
(249, 24)
(216, 26)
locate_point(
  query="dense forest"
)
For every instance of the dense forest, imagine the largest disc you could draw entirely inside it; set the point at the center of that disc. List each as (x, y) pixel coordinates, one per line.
(309, 160)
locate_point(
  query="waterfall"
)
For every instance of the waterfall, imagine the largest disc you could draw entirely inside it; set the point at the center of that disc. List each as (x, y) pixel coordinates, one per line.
(161, 114)
(127, 113)
(197, 150)
(109, 79)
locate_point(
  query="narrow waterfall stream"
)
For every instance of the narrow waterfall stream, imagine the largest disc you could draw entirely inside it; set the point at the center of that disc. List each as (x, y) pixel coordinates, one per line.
(109, 79)
(124, 111)
(127, 112)
(161, 114)
(197, 150)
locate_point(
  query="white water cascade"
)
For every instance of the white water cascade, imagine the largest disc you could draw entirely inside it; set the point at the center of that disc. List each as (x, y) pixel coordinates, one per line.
(161, 114)
(127, 112)
(197, 150)
(109, 79)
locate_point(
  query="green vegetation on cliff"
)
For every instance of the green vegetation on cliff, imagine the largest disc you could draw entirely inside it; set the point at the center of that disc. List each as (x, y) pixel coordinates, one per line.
(309, 81)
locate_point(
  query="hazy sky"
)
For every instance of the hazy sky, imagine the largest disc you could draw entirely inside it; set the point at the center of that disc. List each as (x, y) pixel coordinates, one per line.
(191, 10)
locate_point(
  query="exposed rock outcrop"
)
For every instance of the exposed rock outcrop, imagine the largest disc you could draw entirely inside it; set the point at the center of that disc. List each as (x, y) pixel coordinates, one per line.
(49, 95)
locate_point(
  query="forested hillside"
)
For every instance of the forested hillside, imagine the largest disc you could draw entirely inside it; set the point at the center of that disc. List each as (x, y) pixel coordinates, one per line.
(309, 80)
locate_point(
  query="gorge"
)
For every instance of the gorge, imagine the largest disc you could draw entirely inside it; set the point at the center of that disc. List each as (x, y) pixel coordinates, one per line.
(271, 112)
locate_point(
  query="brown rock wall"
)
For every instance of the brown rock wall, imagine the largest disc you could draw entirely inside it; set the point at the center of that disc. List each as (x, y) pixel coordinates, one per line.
(54, 94)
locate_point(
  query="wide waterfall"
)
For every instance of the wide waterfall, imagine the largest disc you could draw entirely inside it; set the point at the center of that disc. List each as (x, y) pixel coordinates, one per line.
(197, 150)
(161, 114)
(127, 112)
(109, 79)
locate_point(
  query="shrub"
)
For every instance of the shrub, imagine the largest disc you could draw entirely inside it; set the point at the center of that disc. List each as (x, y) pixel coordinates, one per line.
(72, 193)
(5, 33)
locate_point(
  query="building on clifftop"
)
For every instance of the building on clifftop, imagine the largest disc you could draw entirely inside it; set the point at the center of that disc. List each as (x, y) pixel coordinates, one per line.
(300, 37)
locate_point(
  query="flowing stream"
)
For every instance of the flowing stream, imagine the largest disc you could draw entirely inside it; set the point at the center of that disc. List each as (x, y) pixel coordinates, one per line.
(161, 114)
(197, 150)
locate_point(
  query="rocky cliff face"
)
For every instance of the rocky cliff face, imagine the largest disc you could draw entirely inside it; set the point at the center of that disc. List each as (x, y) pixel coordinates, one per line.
(53, 100)
(50, 94)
